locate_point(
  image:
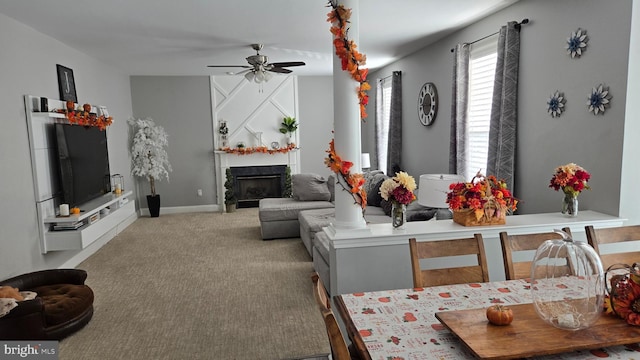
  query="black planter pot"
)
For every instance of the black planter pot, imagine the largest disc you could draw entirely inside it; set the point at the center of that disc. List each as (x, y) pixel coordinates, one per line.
(153, 203)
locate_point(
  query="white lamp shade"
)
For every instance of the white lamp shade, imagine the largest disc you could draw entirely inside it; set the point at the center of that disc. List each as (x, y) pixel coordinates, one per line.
(365, 161)
(433, 189)
(249, 76)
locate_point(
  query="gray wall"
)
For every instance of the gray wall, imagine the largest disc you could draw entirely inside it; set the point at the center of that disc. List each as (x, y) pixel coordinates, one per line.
(595, 142)
(182, 105)
(29, 61)
(316, 114)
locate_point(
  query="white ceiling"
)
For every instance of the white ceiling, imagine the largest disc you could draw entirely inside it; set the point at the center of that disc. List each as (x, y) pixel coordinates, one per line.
(181, 37)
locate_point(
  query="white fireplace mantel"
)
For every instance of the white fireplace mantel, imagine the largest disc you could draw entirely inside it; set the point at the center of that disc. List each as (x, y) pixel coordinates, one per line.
(225, 160)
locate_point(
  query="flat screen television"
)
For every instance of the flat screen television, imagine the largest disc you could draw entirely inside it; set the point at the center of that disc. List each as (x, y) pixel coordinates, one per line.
(83, 160)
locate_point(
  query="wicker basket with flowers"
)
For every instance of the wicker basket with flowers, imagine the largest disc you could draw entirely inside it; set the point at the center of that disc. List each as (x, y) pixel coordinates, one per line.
(482, 201)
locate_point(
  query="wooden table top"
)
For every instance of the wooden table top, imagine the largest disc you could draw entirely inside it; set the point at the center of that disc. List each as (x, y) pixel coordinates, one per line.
(524, 336)
(402, 324)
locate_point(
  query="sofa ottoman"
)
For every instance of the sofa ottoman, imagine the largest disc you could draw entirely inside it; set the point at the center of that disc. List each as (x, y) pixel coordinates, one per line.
(311, 222)
(279, 216)
(321, 258)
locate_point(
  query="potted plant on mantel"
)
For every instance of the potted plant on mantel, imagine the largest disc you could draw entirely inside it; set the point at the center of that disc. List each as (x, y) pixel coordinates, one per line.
(288, 127)
(149, 158)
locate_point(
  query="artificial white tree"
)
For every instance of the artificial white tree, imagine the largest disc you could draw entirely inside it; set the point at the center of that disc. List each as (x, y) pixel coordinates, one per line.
(148, 155)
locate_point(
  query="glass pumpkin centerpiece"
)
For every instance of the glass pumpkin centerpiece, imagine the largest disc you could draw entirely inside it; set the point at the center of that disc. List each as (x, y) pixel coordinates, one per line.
(567, 264)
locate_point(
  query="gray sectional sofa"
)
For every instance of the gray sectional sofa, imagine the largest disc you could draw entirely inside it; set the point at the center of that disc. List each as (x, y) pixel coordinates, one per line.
(312, 208)
(279, 216)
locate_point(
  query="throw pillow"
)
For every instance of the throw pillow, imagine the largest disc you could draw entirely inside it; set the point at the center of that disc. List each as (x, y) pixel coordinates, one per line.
(310, 187)
(386, 206)
(373, 196)
(421, 215)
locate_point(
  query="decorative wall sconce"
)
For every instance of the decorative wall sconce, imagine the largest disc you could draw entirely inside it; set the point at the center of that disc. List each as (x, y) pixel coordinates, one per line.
(555, 104)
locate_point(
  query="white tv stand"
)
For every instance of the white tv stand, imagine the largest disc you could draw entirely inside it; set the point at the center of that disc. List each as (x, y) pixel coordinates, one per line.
(96, 223)
(95, 226)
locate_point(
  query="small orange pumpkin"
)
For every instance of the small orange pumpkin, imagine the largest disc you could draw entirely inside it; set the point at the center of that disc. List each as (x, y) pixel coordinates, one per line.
(499, 315)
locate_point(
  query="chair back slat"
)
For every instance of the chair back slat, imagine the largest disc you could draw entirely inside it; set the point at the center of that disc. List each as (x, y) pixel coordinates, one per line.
(446, 248)
(511, 244)
(620, 234)
(339, 349)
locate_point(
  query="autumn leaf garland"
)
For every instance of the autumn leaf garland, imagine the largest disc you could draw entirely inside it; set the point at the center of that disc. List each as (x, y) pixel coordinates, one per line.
(85, 119)
(351, 59)
(354, 181)
(258, 149)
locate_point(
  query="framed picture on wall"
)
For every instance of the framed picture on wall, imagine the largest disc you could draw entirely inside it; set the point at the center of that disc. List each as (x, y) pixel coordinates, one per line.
(66, 84)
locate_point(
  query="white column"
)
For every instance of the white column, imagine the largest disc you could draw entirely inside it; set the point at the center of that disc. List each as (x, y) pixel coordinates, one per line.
(346, 124)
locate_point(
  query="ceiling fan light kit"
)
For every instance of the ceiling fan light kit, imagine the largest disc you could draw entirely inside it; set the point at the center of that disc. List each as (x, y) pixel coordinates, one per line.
(259, 69)
(258, 76)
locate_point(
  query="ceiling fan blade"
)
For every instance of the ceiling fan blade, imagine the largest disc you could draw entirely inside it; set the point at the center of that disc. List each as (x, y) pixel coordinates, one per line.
(287, 64)
(279, 70)
(242, 72)
(242, 66)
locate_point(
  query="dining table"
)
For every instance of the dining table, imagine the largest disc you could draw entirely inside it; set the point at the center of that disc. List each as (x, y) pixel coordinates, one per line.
(403, 324)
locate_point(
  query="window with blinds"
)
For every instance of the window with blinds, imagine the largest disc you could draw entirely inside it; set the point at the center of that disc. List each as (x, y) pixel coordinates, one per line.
(482, 69)
(383, 124)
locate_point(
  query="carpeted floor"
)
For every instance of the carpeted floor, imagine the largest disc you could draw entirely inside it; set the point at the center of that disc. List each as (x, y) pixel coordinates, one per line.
(200, 286)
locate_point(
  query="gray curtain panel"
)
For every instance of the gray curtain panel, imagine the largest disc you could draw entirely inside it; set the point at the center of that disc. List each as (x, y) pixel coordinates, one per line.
(458, 138)
(504, 111)
(394, 152)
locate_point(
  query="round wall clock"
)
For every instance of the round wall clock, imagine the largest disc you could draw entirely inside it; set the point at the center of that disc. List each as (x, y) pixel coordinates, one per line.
(427, 104)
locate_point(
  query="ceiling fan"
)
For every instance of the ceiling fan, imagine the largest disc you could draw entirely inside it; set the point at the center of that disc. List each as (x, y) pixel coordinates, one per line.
(259, 66)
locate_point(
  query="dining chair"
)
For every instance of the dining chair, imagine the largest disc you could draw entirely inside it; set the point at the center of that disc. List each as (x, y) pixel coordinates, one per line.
(339, 348)
(519, 245)
(441, 249)
(615, 235)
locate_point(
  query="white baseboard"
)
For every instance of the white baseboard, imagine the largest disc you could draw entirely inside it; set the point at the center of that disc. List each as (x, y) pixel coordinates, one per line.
(183, 209)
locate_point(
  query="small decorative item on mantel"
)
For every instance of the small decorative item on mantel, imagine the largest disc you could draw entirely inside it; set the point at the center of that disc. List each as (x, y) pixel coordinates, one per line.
(483, 201)
(223, 130)
(399, 191)
(572, 179)
(288, 127)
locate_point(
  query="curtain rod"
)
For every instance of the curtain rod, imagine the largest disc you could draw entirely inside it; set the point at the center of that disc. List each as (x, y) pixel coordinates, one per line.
(388, 76)
(523, 22)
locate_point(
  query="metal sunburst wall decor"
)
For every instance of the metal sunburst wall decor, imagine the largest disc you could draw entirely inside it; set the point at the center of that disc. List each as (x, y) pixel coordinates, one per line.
(577, 43)
(555, 104)
(599, 99)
